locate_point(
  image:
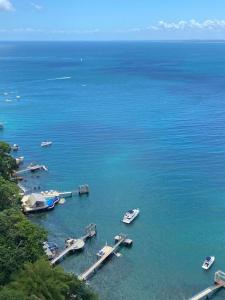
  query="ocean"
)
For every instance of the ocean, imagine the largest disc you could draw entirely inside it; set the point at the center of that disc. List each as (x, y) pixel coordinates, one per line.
(143, 124)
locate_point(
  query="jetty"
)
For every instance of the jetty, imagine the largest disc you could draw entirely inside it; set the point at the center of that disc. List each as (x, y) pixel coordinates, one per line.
(104, 253)
(32, 168)
(83, 189)
(219, 280)
(73, 245)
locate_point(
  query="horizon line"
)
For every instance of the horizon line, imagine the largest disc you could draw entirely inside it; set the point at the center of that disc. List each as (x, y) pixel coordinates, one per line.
(120, 40)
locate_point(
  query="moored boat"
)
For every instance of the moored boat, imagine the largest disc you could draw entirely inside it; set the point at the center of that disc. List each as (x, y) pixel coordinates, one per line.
(130, 215)
(19, 160)
(15, 147)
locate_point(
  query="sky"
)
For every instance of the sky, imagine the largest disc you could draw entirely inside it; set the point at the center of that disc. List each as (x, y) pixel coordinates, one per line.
(112, 19)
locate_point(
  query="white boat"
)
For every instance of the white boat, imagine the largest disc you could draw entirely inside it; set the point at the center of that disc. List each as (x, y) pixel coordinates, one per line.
(130, 215)
(209, 260)
(46, 143)
(19, 160)
(15, 147)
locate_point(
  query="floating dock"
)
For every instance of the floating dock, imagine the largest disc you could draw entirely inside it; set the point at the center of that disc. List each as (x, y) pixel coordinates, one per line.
(219, 280)
(76, 244)
(104, 253)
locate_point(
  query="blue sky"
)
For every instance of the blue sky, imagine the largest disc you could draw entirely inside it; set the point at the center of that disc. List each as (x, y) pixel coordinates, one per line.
(111, 19)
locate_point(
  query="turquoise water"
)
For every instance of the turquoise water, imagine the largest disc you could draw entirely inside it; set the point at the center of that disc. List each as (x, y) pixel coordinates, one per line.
(143, 124)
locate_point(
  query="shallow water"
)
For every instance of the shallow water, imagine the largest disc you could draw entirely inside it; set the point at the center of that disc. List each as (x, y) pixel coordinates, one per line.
(143, 124)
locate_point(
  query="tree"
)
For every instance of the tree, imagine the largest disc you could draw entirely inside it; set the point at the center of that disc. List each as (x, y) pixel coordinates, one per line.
(4, 148)
(20, 241)
(8, 293)
(9, 194)
(7, 162)
(40, 281)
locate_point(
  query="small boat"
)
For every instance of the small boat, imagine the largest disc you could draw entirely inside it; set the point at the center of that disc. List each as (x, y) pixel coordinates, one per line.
(46, 143)
(1, 126)
(15, 147)
(209, 260)
(130, 215)
(50, 249)
(19, 160)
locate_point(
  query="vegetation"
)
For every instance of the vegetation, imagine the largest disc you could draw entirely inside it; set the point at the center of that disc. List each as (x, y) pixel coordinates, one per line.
(9, 194)
(40, 281)
(7, 163)
(25, 274)
(20, 241)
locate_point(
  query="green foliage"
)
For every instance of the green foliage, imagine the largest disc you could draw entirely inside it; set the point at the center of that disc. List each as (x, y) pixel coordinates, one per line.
(8, 293)
(20, 241)
(9, 194)
(40, 281)
(24, 273)
(4, 148)
(7, 162)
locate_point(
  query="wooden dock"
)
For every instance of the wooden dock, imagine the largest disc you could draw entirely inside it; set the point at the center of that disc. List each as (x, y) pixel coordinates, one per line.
(107, 251)
(219, 280)
(76, 244)
(32, 168)
(206, 292)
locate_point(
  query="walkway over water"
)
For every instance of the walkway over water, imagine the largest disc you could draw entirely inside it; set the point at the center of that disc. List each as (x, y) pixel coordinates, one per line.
(77, 244)
(108, 250)
(219, 280)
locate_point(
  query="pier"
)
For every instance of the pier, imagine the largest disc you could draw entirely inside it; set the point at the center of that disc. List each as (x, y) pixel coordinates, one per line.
(73, 245)
(219, 280)
(32, 168)
(104, 254)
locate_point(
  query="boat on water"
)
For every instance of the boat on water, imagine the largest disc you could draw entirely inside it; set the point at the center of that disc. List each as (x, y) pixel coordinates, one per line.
(209, 260)
(46, 143)
(19, 160)
(1, 126)
(15, 147)
(36, 202)
(130, 215)
(50, 249)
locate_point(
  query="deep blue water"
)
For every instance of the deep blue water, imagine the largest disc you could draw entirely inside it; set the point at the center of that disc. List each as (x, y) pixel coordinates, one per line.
(143, 124)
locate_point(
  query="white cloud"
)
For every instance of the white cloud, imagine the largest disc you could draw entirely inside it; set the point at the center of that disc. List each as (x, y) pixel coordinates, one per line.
(192, 24)
(36, 6)
(6, 5)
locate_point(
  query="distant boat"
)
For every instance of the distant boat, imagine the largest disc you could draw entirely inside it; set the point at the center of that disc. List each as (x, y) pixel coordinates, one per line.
(46, 143)
(209, 260)
(130, 215)
(1, 126)
(15, 147)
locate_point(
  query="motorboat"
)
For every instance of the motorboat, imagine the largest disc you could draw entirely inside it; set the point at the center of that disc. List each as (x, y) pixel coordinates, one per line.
(15, 147)
(130, 215)
(46, 143)
(19, 160)
(209, 260)
(50, 249)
